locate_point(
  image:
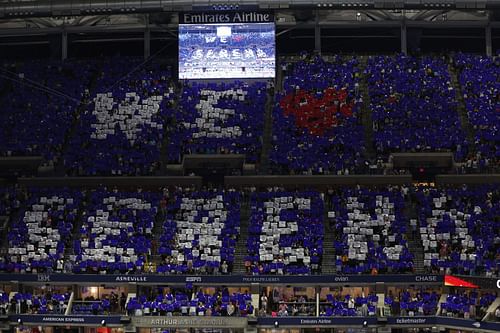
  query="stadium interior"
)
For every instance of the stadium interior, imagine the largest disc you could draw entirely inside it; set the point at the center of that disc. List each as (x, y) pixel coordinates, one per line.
(268, 166)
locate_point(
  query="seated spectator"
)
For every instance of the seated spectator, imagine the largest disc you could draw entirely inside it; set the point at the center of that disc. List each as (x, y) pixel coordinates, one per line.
(316, 128)
(200, 232)
(285, 232)
(219, 118)
(116, 235)
(370, 232)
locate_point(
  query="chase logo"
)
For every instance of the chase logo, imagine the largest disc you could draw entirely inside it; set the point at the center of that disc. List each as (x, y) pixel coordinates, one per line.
(426, 278)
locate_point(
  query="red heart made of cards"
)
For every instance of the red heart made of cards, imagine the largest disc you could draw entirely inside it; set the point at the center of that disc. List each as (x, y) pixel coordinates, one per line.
(317, 114)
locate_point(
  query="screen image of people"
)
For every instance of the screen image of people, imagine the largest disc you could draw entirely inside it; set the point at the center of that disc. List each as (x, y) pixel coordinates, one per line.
(226, 51)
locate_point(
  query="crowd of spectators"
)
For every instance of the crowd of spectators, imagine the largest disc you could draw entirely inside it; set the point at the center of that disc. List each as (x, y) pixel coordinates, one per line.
(459, 228)
(200, 232)
(39, 102)
(370, 231)
(116, 235)
(37, 241)
(467, 304)
(47, 303)
(220, 302)
(414, 107)
(219, 118)
(412, 302)
(478, 78)
(316, 118)
(285, 234)
(122, 127)
(339, 305)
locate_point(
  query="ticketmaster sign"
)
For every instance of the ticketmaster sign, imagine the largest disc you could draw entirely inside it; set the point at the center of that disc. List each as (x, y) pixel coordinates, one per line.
(186, 322)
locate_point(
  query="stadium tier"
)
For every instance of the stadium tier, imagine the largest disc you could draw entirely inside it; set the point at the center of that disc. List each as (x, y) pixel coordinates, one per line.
(137, 123)
(459, 229)
(178, 231)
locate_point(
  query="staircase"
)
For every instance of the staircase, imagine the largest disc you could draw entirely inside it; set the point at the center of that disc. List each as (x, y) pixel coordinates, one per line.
(414, 241)
(279, 79)
(241, 246)
(60, 169)
(157, 231)
(328, 261)
(76, 234)
(462, 112)
(14, 217)
(267, 134)
(366, 112)
(168, 125)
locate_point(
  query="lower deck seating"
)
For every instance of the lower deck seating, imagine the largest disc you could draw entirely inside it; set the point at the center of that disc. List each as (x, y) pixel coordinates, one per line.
(467, 304)
(41, 304)
(186, 303)
(413, 303)
(350, 306)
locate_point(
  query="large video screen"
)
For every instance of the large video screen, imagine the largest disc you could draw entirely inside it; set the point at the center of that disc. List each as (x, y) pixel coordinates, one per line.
(232, 50)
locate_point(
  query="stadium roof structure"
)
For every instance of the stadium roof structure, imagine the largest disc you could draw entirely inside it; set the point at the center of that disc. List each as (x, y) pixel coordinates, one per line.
(31, 8)
(155, 20)
(19, 17)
